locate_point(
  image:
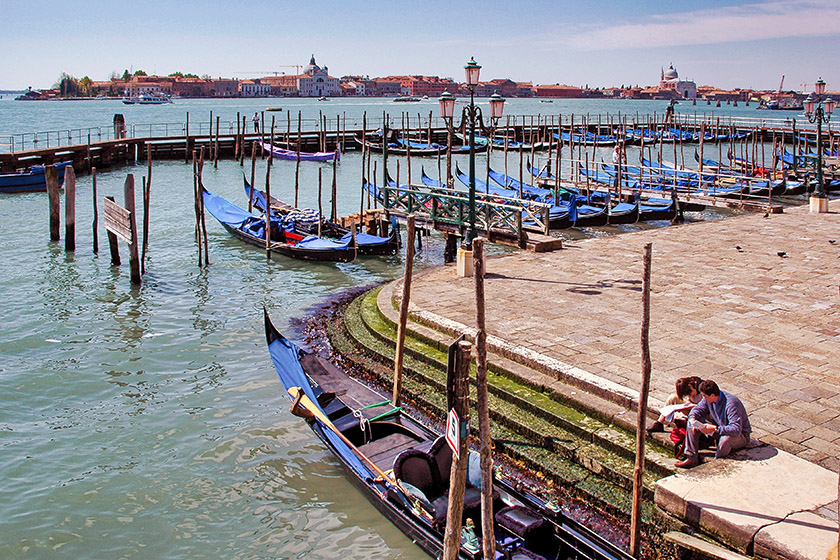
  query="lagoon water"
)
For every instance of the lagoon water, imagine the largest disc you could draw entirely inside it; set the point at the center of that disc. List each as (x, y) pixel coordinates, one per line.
(148, 422)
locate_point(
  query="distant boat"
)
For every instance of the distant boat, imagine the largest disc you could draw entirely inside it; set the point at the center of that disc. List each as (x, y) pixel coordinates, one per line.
(282, 153)
(274, 108)
(406, 99)
(546, 101)
(33, 179)
(323, 98)
(153, 98)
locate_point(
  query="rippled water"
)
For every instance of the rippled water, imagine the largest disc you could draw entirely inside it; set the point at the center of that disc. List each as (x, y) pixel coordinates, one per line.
(148, 422)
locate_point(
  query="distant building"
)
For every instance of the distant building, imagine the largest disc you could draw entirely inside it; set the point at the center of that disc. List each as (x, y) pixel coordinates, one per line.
(387, 86)
(418, 86)
(194, 87)
(558, 90)
(222, 87)
(316, 82)
(673, 87)
(524, 89)
(283, 85)
(254, 88)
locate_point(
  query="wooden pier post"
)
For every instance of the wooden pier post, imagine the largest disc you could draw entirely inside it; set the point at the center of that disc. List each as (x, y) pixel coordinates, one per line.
(133, 252)
(253, 172)
(334, 194)
(95, 215)
(216, 145)
(187, 139)
(113, 245)
(147, 195)
(297, 162)
(364, 179)
(406, 297)
(460, 462)
(201, 216)
(639, 469)
(267, 209)
(482, 402)
(69, 209)
(196, 208)
(236, 146)
(320, 204)
(55, 202)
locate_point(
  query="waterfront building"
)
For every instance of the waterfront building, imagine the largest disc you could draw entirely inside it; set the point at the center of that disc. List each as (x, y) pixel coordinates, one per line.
(672, 87)
(418, 86)
(317, 82)
(254, 88)
(387, 86)
(524, 89)
(282, 85)
(558, 90)
(221, 87)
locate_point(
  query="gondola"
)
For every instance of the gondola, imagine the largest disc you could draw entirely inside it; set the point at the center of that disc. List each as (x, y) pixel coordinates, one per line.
(33, 179)
(283, 153)
(251, 229)
(402, 467)
(572, 213)
(305, 222)
(402, 149)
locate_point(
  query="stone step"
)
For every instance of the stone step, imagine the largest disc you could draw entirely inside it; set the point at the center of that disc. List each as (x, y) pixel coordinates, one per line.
(584, 440)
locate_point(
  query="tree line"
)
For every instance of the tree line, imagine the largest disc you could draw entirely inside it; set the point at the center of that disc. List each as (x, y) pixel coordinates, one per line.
(71, 86)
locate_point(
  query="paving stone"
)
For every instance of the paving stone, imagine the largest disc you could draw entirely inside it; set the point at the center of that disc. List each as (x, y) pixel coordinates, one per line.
(800, 536)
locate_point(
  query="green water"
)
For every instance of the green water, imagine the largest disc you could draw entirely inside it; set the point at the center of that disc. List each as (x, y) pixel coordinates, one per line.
(148, 422)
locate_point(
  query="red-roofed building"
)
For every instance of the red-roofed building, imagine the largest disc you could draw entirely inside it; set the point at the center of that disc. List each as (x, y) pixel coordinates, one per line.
(557, 90)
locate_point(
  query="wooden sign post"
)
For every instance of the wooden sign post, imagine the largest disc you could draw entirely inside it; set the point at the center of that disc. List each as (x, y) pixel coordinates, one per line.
(121, 223)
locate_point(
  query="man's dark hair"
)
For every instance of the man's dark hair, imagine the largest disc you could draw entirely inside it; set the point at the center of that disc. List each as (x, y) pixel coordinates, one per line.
(709, 387)
(685, 384)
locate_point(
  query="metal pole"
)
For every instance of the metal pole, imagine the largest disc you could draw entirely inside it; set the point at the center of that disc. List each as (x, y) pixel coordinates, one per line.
(820, 192)
(471, 233)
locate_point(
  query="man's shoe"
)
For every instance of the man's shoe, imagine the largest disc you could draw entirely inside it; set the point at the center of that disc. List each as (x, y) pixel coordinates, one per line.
(655, 427)
(686, 463)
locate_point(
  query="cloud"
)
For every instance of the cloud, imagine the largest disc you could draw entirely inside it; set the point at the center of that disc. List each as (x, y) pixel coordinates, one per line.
(731, 24)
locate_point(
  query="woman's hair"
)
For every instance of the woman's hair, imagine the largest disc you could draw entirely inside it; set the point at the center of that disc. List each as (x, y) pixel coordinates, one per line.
(686, 384)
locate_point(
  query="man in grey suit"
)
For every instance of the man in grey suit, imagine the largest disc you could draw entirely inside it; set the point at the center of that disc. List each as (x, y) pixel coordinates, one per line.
(720, 415)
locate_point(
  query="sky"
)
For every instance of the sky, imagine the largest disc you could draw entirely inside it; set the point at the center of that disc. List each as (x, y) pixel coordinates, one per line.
(595, 43)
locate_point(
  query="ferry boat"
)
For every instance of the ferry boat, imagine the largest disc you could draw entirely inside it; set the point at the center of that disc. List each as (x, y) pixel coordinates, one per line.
(148, 98)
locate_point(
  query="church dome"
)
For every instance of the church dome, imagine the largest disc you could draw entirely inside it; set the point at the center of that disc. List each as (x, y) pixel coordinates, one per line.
(312, 68)
(671, 74)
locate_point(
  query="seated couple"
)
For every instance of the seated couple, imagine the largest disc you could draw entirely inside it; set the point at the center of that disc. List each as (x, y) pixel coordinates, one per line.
(714, 414)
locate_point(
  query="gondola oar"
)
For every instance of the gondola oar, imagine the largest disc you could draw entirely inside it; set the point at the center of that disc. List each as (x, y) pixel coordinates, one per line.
(312, 410)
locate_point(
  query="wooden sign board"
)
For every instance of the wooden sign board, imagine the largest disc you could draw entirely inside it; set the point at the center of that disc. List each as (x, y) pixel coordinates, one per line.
(453, 433)
(118, 221)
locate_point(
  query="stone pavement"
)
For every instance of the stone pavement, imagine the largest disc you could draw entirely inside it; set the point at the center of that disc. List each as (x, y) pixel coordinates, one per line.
(749, 301)
(752, 302)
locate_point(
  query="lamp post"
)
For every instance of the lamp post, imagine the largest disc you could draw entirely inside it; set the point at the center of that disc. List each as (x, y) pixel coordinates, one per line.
(473, 114)
(819, 110)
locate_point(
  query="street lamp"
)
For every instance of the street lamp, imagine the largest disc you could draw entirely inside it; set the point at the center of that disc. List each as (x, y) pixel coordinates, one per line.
(819, 110)
(473, 113)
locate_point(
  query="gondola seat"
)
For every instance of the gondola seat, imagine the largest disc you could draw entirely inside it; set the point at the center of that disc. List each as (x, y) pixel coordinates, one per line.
(523, 523)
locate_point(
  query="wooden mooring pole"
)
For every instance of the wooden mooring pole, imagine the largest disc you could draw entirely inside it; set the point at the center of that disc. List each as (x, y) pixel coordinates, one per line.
(406, 297)
(458, 472)
(147, 194)
(95, 215)
(69, 209)
(55, 202)
(482, 402)
(639, 469)
(133, 252)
